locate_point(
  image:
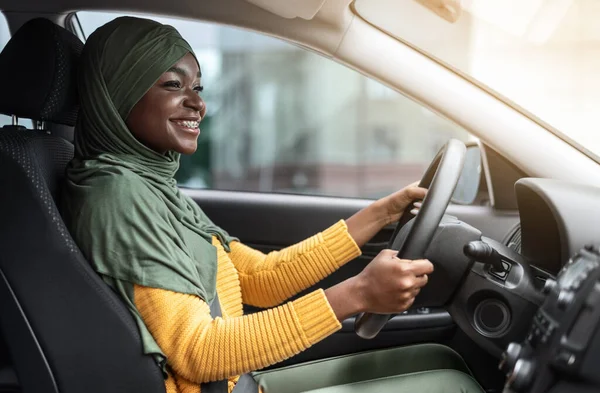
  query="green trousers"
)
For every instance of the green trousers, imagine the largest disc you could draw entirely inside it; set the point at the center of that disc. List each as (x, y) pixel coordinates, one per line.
(426, 368)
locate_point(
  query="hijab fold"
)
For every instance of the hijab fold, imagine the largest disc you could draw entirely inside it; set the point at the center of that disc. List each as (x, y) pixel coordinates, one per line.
(122, 204)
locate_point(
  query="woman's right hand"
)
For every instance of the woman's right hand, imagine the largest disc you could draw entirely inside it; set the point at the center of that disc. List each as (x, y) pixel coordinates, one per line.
(388, 285)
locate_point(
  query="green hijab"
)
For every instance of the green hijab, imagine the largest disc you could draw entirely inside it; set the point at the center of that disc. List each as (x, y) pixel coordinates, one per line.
(122, 204)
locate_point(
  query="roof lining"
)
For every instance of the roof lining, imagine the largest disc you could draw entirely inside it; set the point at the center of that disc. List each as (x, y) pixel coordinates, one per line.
(289, 9)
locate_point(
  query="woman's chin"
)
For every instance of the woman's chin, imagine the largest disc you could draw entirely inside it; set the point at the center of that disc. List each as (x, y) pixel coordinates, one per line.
(187, 149)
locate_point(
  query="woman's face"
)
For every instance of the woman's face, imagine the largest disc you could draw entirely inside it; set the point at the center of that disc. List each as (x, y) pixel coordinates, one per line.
(168, 115)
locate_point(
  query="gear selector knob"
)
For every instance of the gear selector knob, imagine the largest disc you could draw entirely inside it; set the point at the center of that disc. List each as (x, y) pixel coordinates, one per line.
(521, 376)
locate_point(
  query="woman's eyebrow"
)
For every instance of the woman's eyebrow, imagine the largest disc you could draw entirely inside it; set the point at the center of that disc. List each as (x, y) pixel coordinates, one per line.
(182, 72)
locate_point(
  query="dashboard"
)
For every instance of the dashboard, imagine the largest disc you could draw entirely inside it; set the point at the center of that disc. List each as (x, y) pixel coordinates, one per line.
(506, 283)
(557, 219)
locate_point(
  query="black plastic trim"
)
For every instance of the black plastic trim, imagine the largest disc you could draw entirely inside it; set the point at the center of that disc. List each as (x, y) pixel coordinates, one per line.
(436, 318)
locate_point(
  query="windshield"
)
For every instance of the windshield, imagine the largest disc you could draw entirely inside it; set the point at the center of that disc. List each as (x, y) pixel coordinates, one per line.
(543, 55)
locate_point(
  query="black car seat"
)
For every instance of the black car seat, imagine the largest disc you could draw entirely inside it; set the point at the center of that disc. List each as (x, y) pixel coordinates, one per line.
(64, 329)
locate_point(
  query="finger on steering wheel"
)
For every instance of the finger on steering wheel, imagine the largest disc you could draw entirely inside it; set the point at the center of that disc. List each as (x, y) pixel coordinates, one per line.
(421, 281)
(417, 207)
(420, 267)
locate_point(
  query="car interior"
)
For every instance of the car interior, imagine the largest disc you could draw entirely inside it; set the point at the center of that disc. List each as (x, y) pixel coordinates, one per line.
(515, 291)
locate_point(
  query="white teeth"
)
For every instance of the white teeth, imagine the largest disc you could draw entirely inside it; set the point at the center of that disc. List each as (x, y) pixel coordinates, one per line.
(188, 124)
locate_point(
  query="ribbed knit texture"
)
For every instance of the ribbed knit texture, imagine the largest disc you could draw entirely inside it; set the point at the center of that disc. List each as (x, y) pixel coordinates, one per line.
(270, 280)
(201, 349)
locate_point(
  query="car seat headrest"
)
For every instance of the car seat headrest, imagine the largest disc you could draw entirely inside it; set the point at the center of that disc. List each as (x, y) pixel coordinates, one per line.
(38, 73)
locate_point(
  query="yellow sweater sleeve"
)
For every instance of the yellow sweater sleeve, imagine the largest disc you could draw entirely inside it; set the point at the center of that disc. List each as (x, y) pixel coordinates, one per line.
(202, 349)
(269, 280)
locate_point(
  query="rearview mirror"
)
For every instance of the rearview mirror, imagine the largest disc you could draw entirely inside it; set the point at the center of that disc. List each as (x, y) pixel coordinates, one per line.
(468, 183)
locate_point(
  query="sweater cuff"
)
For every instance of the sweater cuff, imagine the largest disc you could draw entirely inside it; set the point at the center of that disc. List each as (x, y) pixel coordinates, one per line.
(340, 244)
(316, 316)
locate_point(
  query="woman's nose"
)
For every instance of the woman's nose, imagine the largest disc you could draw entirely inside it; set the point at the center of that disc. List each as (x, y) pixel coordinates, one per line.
(195, 102)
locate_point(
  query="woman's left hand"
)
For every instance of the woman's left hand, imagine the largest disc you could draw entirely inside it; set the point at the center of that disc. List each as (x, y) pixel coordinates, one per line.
(365, 224)
(394, 205)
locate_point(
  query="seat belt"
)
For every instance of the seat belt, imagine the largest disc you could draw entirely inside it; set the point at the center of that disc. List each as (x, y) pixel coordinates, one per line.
(246, 384)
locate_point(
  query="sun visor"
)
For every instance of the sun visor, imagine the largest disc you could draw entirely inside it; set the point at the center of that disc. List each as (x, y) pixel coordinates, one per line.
(290, 9)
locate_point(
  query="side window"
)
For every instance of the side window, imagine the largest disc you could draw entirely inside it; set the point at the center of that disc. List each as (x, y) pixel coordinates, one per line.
(283, 119)
(4, 37)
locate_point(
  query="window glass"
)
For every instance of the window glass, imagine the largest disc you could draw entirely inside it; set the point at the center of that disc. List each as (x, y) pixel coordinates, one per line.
(4, 37)
(541, 54)
(283, 119)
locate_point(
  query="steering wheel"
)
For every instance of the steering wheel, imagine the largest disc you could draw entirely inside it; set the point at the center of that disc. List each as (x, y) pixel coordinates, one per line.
(441, 179)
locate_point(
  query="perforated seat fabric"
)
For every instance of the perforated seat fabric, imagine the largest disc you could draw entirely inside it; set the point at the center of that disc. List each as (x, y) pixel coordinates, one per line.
(53, 154)
(65, 329)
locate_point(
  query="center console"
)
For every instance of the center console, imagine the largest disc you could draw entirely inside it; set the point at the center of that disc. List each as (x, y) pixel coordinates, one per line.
(562, 350)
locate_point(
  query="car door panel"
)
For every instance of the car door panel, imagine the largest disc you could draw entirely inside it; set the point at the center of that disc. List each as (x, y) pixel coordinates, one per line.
(279, 220)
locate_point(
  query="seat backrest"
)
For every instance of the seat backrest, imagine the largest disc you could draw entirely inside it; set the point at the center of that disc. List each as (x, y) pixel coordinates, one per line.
(66, 331)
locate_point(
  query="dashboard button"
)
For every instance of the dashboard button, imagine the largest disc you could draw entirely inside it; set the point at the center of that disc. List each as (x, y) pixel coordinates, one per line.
(565, 359)
(577, 282)
(549, 285)
(565, 298)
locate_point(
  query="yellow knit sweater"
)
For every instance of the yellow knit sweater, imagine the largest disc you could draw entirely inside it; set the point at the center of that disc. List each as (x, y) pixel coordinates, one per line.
(202, 349)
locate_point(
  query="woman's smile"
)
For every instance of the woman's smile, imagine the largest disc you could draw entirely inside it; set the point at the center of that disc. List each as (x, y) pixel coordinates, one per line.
(189, 126)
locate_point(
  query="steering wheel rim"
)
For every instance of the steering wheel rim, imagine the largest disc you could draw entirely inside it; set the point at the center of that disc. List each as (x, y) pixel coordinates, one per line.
(441, 179)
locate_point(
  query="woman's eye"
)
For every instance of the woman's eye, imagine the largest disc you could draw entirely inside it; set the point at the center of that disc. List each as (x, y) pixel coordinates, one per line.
(199, 89)
(174, 84)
